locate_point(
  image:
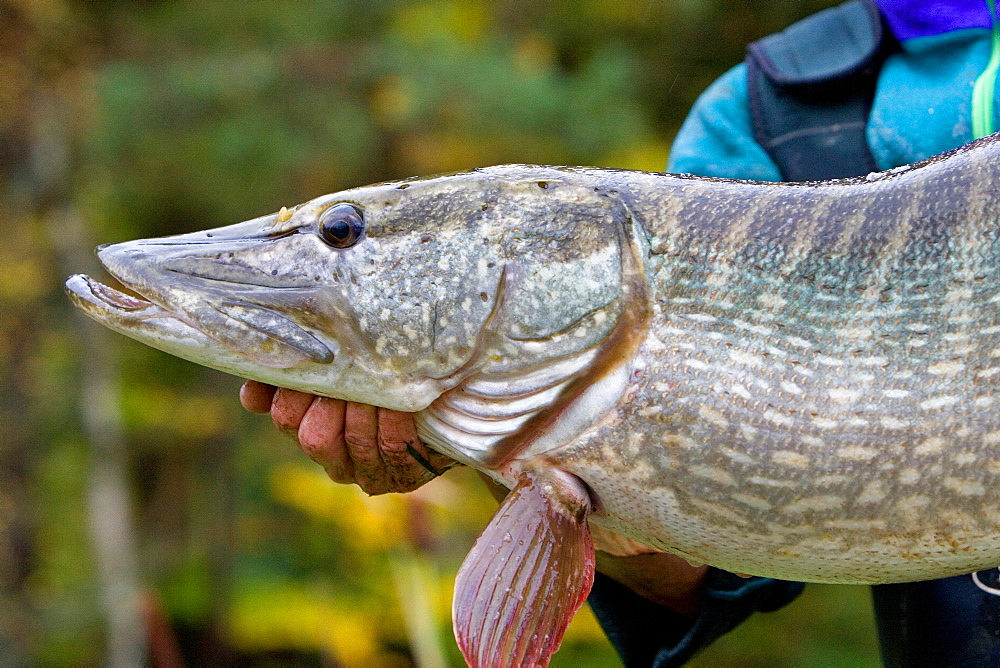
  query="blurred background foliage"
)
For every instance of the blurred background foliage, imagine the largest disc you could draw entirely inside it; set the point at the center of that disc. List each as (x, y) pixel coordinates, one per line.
(142, 512)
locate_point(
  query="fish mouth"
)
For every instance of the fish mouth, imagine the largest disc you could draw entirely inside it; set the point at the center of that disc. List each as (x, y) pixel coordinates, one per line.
(90, 294)
(255, 333)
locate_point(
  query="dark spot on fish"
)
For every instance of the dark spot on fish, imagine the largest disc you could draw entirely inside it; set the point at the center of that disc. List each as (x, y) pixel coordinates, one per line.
(209, 234)
(485, 206)
(218, 256)
(490, 265)
(427, 238)
(543, 184)
(274, 272)
(483, 296)
(403, 186)
(316, 278)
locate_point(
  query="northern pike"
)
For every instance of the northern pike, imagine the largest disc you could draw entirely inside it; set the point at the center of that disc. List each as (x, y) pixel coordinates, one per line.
(789, 380)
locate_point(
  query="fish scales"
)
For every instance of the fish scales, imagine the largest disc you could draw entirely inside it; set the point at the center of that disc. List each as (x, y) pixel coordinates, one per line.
(829, 400)
(790, 380)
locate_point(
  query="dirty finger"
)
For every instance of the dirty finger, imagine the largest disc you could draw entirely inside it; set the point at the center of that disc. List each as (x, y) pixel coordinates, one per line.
(257, 397)
(321, 437)
(405, 465)
(361, 437)
(288, 408)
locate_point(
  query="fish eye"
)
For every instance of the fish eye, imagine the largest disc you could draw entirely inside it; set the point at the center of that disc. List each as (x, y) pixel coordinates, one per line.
(342, 226)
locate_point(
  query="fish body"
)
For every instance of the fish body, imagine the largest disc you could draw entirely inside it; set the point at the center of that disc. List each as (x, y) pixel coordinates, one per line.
(790, 380)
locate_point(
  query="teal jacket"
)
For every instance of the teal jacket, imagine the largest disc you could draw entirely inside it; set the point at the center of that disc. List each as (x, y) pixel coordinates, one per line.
(922, 107)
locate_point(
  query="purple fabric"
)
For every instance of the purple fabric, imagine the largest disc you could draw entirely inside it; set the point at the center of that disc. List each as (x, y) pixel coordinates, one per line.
(920, 18)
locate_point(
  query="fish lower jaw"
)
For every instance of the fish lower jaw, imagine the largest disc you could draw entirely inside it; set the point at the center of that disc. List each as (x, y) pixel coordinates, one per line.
(261, 336)
(93, 297)
(137, 318)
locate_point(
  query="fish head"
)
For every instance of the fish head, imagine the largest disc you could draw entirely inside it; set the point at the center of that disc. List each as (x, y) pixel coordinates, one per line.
(490, 302)
(388, 294)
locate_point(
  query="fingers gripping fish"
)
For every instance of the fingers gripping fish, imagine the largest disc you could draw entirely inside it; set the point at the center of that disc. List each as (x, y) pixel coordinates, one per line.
(791, 380)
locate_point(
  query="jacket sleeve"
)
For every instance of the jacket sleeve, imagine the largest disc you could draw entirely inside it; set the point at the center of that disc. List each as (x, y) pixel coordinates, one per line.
(646, 634)
(716, 138)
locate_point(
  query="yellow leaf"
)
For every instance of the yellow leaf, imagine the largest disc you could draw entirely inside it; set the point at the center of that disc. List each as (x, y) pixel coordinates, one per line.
(370, 522)
(459, 20)
(648, 154)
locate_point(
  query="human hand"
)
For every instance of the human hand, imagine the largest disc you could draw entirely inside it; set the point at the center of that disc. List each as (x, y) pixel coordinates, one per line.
(376, 448)
(663, 578)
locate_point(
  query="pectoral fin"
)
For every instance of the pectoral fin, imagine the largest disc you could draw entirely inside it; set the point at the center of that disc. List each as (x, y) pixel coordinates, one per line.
(527, 575)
